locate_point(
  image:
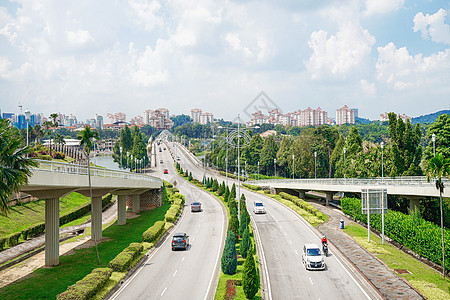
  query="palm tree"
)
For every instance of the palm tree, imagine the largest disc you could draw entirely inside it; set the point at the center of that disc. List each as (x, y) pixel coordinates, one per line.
(59, 139)
(86, 141)
(439, 167)
(15, 167)
(48, 125)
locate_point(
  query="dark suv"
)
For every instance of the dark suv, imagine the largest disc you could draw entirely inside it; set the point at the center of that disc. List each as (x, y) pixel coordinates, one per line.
(180, 241)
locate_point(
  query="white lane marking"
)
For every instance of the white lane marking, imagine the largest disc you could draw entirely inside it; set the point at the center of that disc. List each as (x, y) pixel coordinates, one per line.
(290, 242)
(311, 281)
(146, 262)
(296, 252)
(183, 258)
(175, 273)
(285, 233)
(193, 239)
(163, 291)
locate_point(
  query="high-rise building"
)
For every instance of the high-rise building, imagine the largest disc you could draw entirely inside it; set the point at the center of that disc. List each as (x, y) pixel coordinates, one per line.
(206, 118)
(345, 115)
(196, 115)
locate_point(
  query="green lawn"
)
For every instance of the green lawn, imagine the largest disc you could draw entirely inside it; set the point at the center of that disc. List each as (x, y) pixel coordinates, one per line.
(32, 213)
(46, 283)
(425, 279)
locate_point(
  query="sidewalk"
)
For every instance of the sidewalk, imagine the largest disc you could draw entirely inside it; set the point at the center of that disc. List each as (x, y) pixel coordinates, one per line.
(389, 284)
(34, 243)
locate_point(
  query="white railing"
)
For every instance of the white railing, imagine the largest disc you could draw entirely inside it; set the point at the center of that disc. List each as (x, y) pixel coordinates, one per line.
(396, 181)
(67, 168)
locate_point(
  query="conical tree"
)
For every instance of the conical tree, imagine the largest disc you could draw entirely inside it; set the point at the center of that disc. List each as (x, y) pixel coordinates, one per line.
(242, 223)
(233, 226)
(229, 258)
(226, 195)
(250, 280)
(245, 244)
(190, 176)
(220, 191)
(215, 185)
(233, 192)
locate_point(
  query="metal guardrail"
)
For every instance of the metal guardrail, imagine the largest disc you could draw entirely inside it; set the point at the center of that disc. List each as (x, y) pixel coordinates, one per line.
(396, 181)
(67, 168)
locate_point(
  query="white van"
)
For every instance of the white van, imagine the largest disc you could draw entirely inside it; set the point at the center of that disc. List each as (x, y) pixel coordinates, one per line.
(258, 207)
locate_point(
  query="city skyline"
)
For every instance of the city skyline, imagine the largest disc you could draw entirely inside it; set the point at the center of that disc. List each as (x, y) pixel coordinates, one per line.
(375, 55)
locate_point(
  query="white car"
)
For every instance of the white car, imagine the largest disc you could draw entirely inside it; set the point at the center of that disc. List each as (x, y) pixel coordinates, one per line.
(312, 257)
(258, 207)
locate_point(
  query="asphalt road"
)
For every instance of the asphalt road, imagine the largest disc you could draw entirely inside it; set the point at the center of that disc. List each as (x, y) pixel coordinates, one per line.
(189, 274)
(283, 234)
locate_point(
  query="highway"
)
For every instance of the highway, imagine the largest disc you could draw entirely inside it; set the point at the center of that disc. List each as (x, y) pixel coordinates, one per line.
(190, 274)
(283, 234)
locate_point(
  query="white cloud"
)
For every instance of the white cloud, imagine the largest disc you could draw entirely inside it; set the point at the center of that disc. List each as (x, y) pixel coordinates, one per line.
(367, 87)
(382, 6)
(433, 26)
(340, 53)
(235, 43)
(147, 13)
(401, 70)
(79, 37)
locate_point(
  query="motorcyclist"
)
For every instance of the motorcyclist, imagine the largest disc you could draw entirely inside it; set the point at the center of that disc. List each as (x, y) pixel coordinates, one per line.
(324, 240)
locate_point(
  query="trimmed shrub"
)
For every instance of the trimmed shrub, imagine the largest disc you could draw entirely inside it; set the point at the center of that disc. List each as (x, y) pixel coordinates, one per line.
(252, 187)
(171, 214)
(245, 244)
(153, 232)
(250, 279)
(2, 243)
(87, 287)
(122, 261)
(233, 226)
(304, 205)
(229, 258)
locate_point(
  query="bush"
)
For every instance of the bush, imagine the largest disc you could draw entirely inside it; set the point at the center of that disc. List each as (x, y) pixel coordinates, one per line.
(252, 187)
(250, 279)
(266, 191)
(245, 244)
(233, 226)
(171, 214)
(153, 232)
(229, 258)
(87, 287)
(422, 237)
(304, 205)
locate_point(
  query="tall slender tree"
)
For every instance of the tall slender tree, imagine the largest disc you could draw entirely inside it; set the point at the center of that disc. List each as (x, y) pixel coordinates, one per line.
(86, 138)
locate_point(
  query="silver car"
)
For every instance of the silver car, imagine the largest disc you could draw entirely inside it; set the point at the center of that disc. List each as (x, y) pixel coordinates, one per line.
(312, 257)
(196, 206)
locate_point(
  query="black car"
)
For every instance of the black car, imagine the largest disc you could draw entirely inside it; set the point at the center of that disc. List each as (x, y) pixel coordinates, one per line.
(180, 241)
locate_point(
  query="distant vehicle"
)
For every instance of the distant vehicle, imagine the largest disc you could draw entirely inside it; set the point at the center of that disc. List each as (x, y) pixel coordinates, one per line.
(196, 206)
(178, 158)
(161, 161)
(180, 241)
(160, 150)
(164, 148)
(312, 257)
(166, 171)
(258, 207)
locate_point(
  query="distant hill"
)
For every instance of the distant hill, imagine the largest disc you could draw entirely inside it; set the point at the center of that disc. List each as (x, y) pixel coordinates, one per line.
(362, 121)
(430, 118)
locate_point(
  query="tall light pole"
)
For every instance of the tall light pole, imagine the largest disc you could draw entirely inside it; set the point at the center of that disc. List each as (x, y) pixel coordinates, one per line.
(245, 174)
(121, 149)
(433, 137)
(131, 167)
(382, 162)
(258, 169)
(315, 164)
(27, 117)
(345, 166)
(293, 166)
(275, 167)
(226, 156)
(128, 164)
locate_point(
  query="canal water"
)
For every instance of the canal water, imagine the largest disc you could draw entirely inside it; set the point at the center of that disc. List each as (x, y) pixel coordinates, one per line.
(105, 161)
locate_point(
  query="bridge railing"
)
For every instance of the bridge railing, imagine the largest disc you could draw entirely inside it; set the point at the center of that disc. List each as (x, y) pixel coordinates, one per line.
(67, 168)
(403, 181)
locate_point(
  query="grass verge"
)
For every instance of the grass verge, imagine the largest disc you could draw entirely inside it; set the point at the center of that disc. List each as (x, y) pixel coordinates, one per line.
(46, 283)
(423, 278)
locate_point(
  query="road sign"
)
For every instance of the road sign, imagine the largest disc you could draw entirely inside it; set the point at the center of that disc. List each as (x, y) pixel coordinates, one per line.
(374, 201)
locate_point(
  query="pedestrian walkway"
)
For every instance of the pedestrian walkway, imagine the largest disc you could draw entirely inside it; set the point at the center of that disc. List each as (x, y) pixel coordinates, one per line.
(35, 243)
(384, 279)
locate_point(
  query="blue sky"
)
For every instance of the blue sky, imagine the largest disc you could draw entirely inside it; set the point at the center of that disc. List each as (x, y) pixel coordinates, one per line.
(87, 57)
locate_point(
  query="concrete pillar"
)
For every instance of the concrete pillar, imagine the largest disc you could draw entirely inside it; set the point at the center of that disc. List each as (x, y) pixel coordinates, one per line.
(413, 204)
(136, 203)
(96, 217)
(302, 195)
(51, 232)
(121, 210)
(329, 197)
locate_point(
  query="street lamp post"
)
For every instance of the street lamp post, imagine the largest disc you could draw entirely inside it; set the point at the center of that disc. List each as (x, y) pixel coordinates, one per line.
(121, 149)
(433, 136)
(345, 166)
(131, 162)
(258, 170)
(292, 166)
(128, 164)
(382, 162)
(245, 174)
(315, 164)
(275, 167)
(27, 117)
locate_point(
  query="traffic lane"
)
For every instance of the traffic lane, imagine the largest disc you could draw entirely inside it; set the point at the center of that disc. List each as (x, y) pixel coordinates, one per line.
(173, 273)
(334, 280)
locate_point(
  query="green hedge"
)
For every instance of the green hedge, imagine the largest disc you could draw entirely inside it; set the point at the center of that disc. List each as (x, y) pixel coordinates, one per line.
(171, 214)
(123, 260)
(252, 187)
(87, 287)
(153, 232)
(422, 237)
(304, 205)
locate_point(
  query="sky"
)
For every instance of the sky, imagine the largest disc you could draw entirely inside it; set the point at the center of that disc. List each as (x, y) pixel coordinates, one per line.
(106, 56)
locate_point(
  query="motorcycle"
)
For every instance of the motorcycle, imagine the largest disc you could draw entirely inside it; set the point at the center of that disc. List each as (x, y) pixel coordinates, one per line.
(325, 249)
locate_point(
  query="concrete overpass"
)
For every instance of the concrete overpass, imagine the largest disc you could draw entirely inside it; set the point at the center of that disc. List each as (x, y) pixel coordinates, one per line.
(414, 188)
(52, 180)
